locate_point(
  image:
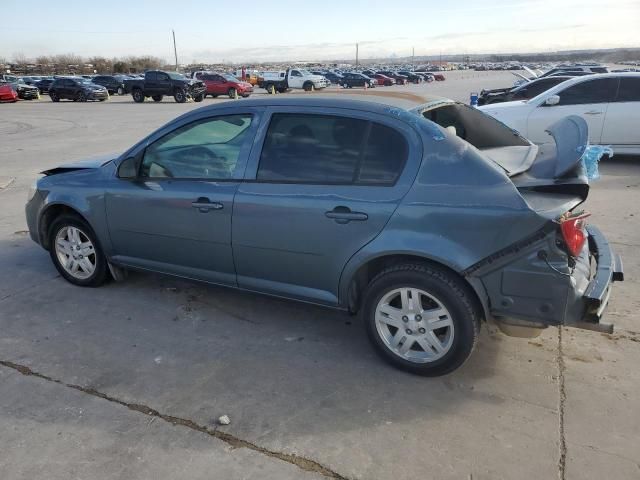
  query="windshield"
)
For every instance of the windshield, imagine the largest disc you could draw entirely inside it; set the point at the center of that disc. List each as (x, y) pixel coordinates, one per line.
(176, 76)
(229, 78)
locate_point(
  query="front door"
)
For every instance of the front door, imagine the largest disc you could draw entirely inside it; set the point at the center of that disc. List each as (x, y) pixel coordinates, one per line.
(176, 216)
(295, 79)
(623, 117)
(588, 99)
(323, 185)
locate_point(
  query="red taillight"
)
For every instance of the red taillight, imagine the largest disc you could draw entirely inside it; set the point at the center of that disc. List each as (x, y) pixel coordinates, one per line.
(573, 232)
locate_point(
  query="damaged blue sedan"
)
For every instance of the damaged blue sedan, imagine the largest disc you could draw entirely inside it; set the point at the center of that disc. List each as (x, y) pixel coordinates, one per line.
(426, 222)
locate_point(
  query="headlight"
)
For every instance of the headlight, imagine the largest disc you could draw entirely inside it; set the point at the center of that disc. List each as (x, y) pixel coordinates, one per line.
(33, 189)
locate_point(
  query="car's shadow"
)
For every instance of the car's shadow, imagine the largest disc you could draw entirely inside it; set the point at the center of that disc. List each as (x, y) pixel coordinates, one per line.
(198, 351)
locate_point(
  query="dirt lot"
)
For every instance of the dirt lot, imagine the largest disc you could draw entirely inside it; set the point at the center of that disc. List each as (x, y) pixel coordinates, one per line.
(126, 381)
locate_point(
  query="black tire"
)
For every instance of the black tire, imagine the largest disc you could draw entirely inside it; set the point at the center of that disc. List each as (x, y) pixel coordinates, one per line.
(271, 89)
(54, 97)
(345, 85)
(120, 91)
(199, 98)
(180, 96)
(138, 95)
(157, 98)
(232, 93)
(101, 271)
(81, 97)
(454, 295)
(308, 87)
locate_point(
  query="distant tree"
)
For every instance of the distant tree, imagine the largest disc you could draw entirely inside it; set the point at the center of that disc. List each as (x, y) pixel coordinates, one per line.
(20, 59)
(101, 64)
(43, 60)
(120, 67)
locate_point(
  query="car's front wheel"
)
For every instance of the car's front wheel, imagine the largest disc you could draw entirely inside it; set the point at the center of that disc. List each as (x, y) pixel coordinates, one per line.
(421, 319)
(180, 96)
(76, 252)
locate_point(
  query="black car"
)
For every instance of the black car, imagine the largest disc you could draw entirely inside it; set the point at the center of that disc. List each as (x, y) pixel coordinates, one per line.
(521, 92)
(112, 83)
(77, 89)
(25, 91)
(411, 76)
(44, 84)
(156, 84)
(331, 76)
(351, 79)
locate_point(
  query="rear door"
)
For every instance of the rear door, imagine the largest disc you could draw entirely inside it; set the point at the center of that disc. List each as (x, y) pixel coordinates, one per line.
(323, 184)
(175, 217)
(588, 99)
(621, 124)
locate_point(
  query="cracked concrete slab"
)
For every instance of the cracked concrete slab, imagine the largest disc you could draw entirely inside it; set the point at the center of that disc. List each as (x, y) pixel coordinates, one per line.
(51, 431)
(296, 379)
(5, 182)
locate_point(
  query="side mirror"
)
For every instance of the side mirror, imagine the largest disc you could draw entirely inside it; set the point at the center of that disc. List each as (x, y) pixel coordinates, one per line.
(128, 168)
(552, 100)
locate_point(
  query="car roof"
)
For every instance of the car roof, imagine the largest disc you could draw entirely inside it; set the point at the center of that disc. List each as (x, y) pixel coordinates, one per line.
(376, 104)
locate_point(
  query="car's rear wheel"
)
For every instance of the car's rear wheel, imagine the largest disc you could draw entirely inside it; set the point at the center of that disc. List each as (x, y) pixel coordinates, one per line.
(421, 319)
(157, 98)
(137, 95)
(76, 252)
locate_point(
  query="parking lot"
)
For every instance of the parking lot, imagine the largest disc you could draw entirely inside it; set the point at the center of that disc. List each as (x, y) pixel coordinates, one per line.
(128, 380)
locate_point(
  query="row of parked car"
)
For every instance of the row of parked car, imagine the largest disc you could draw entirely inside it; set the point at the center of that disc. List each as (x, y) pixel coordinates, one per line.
(373, 78)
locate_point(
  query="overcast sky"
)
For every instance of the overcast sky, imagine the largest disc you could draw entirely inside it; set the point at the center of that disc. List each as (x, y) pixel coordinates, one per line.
(209, 31)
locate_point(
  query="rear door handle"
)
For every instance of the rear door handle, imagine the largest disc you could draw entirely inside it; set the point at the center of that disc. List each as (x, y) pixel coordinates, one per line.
(203, 204)
(593, 112)
(345, 215)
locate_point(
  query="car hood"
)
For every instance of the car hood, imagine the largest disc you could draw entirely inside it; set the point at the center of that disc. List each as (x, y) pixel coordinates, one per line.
(90, 163)
(501, 106)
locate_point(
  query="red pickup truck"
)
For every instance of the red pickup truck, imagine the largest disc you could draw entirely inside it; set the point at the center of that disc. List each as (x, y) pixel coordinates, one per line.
(224, 84)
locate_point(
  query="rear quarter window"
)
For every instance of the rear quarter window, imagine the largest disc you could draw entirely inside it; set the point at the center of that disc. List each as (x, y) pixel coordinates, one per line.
(629, 90)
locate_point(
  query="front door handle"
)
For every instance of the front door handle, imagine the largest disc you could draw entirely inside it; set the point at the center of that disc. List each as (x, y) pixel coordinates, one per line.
(203, 204)
(593, 112)
(345, 215)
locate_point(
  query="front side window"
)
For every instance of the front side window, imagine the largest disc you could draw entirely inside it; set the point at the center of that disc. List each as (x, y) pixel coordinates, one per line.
(325, 149)
(207, 149)
(296, 73)
(591, 91)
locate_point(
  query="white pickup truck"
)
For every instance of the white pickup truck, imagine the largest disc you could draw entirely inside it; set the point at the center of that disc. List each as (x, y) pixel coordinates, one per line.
(291, 78)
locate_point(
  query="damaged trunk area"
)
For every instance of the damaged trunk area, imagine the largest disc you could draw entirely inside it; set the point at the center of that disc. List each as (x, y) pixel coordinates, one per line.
(560, 275)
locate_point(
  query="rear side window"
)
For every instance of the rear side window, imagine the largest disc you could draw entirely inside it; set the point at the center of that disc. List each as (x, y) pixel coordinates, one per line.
(599, 90)
(151, 76)
(629, 90)
(325, 149)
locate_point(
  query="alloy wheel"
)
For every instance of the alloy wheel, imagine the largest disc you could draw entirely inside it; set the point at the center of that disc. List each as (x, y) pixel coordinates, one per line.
(414, 325)
(75, 252)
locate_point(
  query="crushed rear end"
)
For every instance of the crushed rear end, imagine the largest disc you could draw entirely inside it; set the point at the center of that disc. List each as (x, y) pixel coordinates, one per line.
(563, 273)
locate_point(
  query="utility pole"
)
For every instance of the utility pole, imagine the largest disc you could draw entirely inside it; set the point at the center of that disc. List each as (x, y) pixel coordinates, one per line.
(413, 58)
(175, 50)
(356, 55)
